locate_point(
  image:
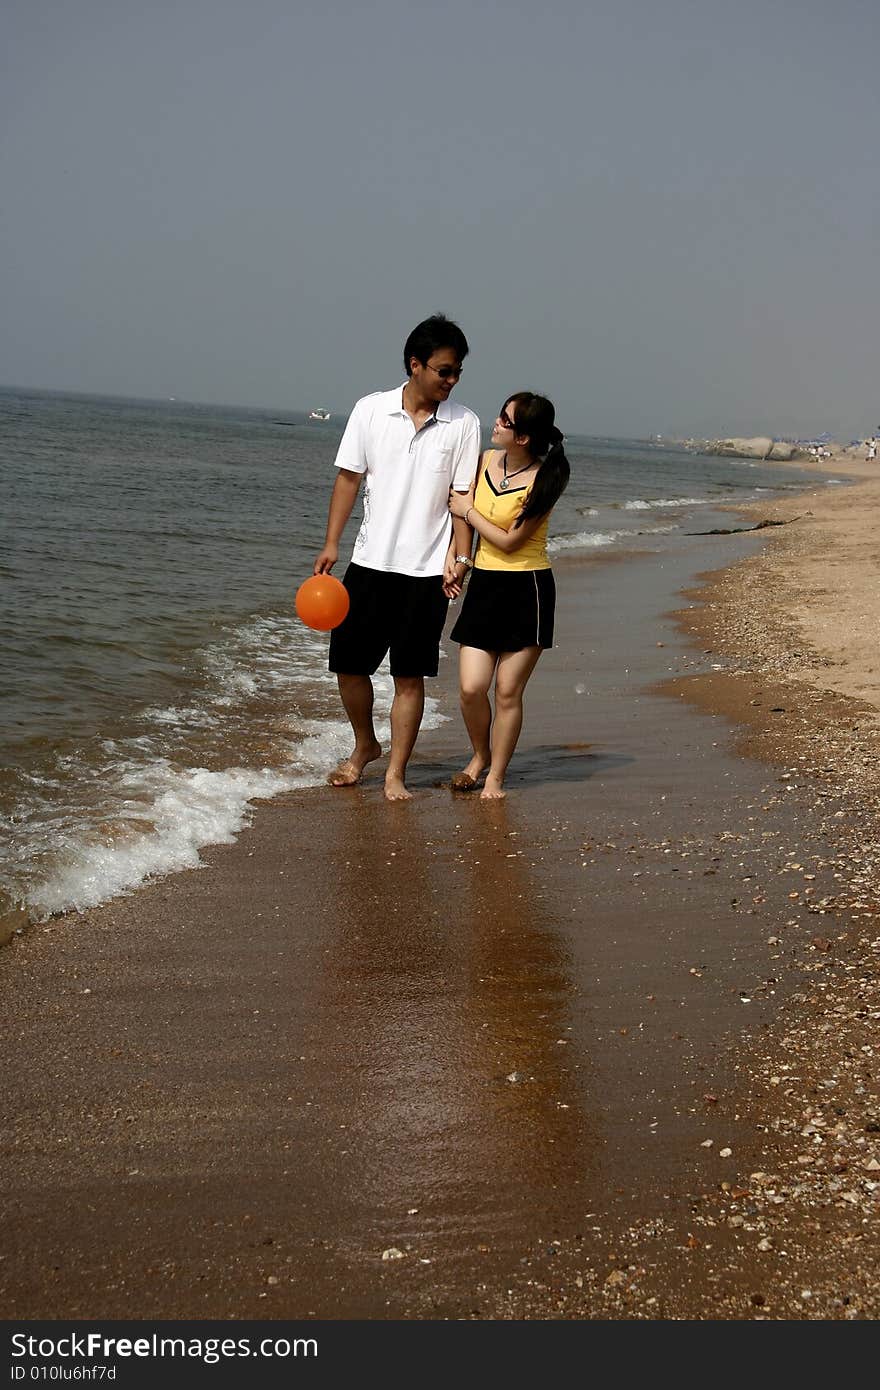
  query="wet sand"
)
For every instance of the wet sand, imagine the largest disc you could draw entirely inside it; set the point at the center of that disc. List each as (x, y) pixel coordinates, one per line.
(446, 1059)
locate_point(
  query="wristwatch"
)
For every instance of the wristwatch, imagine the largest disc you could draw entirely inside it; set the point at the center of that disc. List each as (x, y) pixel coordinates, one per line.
(464, 560)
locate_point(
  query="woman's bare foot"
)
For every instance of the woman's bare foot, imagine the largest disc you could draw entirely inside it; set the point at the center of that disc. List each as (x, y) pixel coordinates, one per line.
(466, 780)
(349, 771)
(395, 788)
(492, 789)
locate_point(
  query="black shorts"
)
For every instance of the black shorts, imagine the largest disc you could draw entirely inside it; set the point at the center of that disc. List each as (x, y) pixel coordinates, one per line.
(505, 611)
(397, 613)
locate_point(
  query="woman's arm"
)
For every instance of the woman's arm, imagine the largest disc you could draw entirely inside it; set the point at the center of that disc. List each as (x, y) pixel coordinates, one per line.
(461, 504)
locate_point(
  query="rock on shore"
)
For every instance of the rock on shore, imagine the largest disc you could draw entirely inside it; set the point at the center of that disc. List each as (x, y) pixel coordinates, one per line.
(761, 446)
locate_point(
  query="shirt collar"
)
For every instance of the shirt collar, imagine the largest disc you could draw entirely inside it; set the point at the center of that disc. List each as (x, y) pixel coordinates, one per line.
(394, 404)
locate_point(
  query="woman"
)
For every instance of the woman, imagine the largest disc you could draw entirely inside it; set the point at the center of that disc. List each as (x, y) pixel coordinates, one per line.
(507, 615)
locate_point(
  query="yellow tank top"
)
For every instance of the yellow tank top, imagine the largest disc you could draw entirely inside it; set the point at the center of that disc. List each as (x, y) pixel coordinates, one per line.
(503, 508)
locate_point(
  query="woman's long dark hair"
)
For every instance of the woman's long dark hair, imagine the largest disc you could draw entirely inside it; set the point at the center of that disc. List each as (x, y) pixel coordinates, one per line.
(535, 417)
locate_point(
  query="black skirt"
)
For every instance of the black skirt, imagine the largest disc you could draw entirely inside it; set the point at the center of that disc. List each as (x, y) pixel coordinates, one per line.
(505, 611)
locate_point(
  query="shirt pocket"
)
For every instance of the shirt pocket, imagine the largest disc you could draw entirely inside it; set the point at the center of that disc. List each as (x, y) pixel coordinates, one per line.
(442, 461)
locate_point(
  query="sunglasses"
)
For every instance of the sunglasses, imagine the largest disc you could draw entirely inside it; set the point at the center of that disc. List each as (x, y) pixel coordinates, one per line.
(505, 420)
(446, 373)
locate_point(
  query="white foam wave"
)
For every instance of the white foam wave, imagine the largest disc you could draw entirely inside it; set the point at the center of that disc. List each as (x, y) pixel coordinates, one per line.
(266, 655)
(584, 540)
(182, 717)
(160, 816)
(593, 540)
(189, 809)
(639, 504)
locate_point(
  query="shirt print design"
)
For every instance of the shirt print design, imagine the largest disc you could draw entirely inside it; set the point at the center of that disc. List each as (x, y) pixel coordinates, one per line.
(361, 539)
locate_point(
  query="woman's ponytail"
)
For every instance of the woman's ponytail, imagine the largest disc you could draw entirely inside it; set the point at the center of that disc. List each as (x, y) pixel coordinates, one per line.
(550, 482)
(534, 416)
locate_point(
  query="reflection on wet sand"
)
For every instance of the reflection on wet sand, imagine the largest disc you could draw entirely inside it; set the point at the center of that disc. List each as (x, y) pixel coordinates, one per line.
(466, 1130)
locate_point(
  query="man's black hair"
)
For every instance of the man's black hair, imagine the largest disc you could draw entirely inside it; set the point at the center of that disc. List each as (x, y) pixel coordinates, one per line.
(429, 336)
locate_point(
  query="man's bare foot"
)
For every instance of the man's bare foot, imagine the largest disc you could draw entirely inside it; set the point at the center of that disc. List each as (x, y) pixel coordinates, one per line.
(463, 782)
(492, 789)
(349, 771)
(466, 780)
(395, 788)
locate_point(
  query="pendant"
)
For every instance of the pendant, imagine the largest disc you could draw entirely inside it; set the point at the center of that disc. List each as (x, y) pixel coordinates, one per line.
(504, 485)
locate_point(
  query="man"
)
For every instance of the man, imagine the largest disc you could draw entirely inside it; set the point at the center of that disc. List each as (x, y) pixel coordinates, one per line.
(411, 444)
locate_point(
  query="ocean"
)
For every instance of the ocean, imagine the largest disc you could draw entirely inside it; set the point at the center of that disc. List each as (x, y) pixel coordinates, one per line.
(156, 679)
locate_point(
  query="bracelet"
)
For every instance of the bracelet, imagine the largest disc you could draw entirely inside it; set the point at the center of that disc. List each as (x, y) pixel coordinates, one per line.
(464, 560)
(467, 514)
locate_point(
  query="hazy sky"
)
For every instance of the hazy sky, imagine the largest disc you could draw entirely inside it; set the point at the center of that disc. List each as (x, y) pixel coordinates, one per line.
(663, 213)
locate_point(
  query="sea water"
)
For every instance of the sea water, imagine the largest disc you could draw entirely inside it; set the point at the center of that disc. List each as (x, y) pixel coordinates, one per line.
(155, 678)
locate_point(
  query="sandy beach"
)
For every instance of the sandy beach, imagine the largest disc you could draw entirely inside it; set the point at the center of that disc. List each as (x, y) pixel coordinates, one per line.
(606, 1050)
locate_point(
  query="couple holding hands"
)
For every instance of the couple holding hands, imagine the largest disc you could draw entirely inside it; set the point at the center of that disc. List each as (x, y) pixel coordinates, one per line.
(420, 455)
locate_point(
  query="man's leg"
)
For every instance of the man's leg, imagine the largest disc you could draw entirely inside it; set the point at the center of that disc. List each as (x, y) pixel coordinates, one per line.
(406, 717)
(356, 693)
(422, 608)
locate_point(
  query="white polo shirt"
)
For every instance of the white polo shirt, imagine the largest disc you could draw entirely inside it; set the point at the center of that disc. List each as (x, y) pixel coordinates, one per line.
(407, 524)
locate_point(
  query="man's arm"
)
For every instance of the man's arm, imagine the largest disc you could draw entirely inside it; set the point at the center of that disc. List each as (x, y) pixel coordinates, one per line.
(466, 481)
(342, 500)
(462, 536)
(454, 572)
(467, 463)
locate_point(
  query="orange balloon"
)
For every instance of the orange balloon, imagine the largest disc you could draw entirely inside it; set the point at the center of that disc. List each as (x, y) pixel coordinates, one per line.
(322, 602)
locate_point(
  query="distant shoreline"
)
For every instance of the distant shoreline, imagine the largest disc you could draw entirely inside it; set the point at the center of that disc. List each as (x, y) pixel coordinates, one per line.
(765, 449)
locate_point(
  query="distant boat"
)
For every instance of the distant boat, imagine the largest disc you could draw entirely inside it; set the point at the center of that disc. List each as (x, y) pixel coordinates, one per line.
(319, 413)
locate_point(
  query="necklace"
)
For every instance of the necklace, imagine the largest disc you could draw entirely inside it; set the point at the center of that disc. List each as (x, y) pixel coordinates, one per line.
(505, 481)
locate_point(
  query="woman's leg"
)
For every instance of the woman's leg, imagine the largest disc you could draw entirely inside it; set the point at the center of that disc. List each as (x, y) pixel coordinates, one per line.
(511, 678)
(475, 671)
